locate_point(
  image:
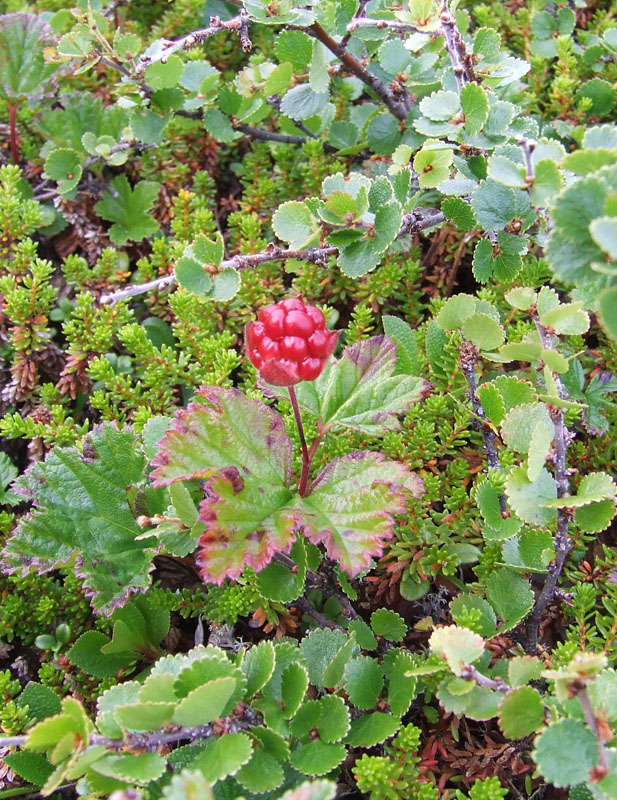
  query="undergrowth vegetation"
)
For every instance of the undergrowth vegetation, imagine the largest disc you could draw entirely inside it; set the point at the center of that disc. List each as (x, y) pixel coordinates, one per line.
(308, 399)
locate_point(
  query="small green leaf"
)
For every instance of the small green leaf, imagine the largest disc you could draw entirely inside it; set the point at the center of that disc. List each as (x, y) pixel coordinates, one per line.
(334, 722)
(333, 673)
(459, 211)
(595, 487)
(441, 106)
(406, 345)
(317, 757)
(86, 654)
(164, 75)
(483, 331)
(522, 669)
(459, 646)
(507, 172)
(318, 650)
(520, 423)
(455, 311)
(529, 499)
(129, 209)
(607, 311)
(372, 729)
(295, 47)
(487, 623)
(494, 205)
(521, 713)
(294, 683)
(604, 233)
(510, 595)
(433, 163)
(522, 297)
(144, 716)
(401, 686)
(363, 681)
(474, 102)
(302, 102)
(223, 756)
(293, 223)
(64, 166)
(258, 666)
(42, 701)
(595, 517)
(388, 624)
(32, 767)
(193, 277)
(565, 752)
(568, 319)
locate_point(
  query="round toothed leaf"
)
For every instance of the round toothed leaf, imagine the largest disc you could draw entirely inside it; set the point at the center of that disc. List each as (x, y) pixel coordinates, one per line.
(372, 729)
(475, 105)
(258, 666)
(522, 297)
(64, 166)
(388, 624)
(334, 722)
(292, 222)
(510, 595)
(401, 686)
(263, 773)
(223, 756)
(206, 703)
(487, 621)
(363, 681)
(565, 752)
(595, 517)
(318, 649)
(520, 424)
(192, 276)
(317, 757)
(483, 331)
(529, 499)
(568, 319)
(521, 713)
(294, 683)
(455, 311)
(459, 646)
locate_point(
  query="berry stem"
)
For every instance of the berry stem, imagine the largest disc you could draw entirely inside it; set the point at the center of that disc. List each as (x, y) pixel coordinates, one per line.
(306, 460)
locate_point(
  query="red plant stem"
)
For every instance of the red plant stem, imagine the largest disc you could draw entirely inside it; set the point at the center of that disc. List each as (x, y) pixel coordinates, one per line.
(306, 459)
(13, 131)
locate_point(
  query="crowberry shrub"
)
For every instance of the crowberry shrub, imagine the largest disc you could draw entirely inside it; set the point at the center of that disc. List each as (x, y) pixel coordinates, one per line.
(289, 342)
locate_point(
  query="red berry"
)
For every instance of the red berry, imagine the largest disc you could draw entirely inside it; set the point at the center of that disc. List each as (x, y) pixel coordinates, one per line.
(310, 369)
(273, 318)
(317, 317)
(294, 347)
(318, 344)
(292, 304)
(268, 349)
(298, 323)
(289, 343)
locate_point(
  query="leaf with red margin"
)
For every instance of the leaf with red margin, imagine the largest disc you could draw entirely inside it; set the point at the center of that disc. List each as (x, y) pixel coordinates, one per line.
(244, 525)
(224, 428)
(352, 504)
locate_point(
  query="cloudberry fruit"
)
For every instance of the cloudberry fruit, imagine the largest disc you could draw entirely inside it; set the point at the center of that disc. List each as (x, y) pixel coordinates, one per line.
(289, 342)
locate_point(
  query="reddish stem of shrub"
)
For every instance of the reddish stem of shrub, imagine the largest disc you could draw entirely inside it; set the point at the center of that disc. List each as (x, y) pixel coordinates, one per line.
(13, 130)
(306, 459)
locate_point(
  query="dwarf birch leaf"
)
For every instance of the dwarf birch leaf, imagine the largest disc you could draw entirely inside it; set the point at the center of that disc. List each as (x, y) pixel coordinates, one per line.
(483, 331)
(263, 773)
(292, 222)
(486, 624)
(595, 487)
(565, 752)
(521, 713)
(334, 723)
(507, 172)
(192, 276)
(81, 511)
(440, 106)
(64, 166)
(494, 205)
(313, 790)
(372, 729)
(522, 669)
(280, 584)
(401, 686)
(595, 517)
(32, 767)
(294, 683)
(459, 212)
(389, 624)
(363, 682)
(459, 646)
(223, 756)
(258, 666)
(318, 650)
(520, 423)
(497, 526)
(317, 757)
(206, 703)
(302, 102)
(364, 635)
(511, 597)
(474, 102)
(455, 311)
(492, 403)
(295, 47)
(145, 716)
(522, 297)
(351, 507)
(432, 165)
(568, 319)
(529, 499)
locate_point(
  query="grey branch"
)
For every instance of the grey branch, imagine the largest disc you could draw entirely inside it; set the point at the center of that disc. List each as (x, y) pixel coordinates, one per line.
(381, 24)
(238, 24)
(470, 673)
(413, 222)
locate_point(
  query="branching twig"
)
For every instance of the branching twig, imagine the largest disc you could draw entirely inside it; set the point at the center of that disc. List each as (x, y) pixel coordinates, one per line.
(411, 223)
(238, 24)
(462, 62)
(380, 24)
(302, 604)
(468, 355)
(396, 107)
(316, 581)
(470, 673)
(562, 540)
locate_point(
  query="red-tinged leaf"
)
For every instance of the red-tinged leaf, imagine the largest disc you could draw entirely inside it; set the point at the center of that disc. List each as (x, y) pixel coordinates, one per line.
(246, 522)
(224, 428)
(352, 505)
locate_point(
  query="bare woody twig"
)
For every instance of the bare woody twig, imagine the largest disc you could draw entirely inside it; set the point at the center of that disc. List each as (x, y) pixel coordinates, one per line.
(411, 223)
(562, 539)
(470, 673)
(462, 62)
(399, 109)
(380, 24)
(238, 24)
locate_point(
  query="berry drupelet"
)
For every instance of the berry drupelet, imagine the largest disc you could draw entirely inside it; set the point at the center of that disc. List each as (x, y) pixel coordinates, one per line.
(289, 342)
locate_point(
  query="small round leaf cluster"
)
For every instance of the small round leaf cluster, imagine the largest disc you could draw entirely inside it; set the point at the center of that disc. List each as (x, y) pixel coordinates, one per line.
(289, 342)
